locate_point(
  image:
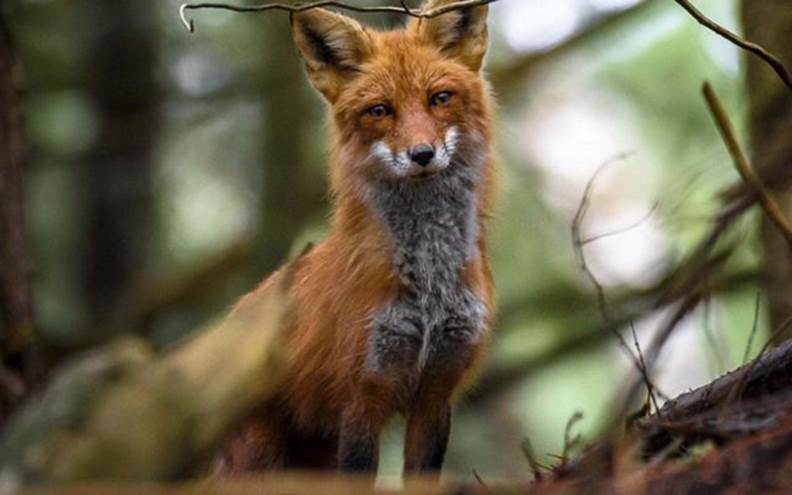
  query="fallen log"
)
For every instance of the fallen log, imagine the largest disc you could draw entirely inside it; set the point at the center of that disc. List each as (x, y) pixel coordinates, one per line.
(748, 400)
(123, 413)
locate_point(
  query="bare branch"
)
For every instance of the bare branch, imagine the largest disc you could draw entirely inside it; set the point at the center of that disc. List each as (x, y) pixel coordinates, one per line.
(622, 230)
(579, 245)
(709, 334)
(743, 164)
(688, 304)
(530, 456)
(403, 9)
(750, 46)
(650, 388)
(479, 479)
(577, 239)
(739, 388)
(571, 442)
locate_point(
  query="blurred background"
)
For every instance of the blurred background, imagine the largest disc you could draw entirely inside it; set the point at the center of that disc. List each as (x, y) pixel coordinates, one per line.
(170, 172)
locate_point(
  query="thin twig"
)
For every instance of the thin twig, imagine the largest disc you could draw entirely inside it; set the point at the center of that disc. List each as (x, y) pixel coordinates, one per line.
(577, 239)
(633, 418)
(622, 230)
(530, 456)
(739, 387)
(403, 9)
(688, 304)
(644, 369)
(407, 9)
(755, 326)
(674, 446)
(743, 164)
(750, 46)
(570, 442)
(479, 479)
(709, 334)
(579, 245)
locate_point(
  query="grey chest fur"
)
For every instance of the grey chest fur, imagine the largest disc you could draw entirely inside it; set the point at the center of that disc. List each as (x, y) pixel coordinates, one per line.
(434, 319)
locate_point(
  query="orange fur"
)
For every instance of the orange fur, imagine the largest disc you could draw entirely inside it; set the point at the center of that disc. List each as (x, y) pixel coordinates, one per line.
(339, 283)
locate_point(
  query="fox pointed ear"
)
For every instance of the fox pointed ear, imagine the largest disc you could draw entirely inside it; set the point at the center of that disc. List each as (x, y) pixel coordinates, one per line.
(460, 33)
(333, 47)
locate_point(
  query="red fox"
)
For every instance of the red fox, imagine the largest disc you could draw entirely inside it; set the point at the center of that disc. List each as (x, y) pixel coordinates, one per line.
(392, 312)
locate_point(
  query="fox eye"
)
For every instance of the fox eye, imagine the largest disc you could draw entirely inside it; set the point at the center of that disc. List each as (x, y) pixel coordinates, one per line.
(379, 111)
(441, 99)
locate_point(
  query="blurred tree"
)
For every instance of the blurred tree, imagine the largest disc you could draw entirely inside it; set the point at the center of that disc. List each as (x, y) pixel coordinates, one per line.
(769, 23)
(20, 365)
(291, 193)
(117, 178)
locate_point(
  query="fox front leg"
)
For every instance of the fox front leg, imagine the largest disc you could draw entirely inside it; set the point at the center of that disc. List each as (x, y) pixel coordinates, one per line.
(358, 443)
(425, 446)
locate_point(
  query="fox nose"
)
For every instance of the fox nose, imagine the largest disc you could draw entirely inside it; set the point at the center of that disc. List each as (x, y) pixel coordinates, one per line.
(422, 154)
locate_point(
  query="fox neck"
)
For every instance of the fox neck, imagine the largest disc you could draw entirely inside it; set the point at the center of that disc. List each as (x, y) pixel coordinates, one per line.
(432, 226)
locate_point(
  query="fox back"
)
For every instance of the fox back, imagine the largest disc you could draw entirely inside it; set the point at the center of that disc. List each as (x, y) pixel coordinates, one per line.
(392, 312)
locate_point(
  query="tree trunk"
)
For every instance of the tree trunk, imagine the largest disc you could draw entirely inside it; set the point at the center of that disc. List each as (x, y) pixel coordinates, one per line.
(769, 23)
(289, 198)
(118, 175)
(20, 364)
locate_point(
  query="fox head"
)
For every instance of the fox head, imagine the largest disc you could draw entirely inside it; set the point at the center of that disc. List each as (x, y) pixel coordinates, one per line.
(406, 104)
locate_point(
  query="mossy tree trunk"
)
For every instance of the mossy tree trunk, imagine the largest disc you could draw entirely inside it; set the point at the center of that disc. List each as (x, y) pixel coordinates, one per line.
(21, 366)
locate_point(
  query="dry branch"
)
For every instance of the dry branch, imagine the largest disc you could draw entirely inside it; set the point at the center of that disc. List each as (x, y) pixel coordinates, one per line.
(772, 60)
(403, 9)
(579, 247)
(754, 327)
(743, 164)
(634, 382)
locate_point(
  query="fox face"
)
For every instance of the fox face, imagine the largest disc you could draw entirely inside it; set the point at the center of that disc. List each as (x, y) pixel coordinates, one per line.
(404, 103)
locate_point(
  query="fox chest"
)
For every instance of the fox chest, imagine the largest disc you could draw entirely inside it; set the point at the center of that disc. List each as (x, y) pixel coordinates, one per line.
(435, 319)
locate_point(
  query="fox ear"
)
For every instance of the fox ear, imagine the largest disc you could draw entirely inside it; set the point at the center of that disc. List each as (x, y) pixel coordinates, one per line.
(460, 33)
(333, 47)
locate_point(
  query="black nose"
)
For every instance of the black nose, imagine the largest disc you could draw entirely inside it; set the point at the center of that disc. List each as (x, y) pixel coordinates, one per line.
(422, 154)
